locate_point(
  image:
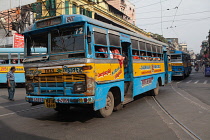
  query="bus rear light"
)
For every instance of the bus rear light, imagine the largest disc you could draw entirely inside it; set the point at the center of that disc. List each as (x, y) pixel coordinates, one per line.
(87, 67)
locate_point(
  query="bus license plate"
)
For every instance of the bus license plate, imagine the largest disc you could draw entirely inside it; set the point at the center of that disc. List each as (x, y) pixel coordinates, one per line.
(50, 103)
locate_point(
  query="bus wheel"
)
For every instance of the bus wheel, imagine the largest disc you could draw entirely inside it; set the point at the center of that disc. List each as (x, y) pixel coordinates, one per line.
(155, 91)
(62, 108)
(108, 109)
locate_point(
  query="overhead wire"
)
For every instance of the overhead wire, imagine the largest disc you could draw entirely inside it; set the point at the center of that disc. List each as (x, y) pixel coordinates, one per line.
(176, 12)
(161, 13)
(172, 20)
(176, 15)
(150, 4)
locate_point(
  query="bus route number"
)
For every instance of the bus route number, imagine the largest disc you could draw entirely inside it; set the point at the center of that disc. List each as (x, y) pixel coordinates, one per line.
(70, 19)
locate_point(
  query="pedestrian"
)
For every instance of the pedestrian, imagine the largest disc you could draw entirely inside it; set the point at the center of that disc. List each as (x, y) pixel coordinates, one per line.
(11, 83)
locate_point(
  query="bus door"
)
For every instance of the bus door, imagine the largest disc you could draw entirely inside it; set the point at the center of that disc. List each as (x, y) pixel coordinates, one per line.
(128, 74)
(165, 57)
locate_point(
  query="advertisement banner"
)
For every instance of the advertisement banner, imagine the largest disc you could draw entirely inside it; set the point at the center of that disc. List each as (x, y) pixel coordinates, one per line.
(18, 41)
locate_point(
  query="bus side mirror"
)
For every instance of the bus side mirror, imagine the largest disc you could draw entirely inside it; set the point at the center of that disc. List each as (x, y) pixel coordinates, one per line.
(89, 37)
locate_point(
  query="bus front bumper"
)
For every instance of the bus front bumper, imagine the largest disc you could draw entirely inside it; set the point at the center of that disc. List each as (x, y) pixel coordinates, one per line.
(61, 100)
(177, 73)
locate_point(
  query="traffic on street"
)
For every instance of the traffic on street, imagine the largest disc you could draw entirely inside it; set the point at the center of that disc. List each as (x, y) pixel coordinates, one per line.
(180, 111)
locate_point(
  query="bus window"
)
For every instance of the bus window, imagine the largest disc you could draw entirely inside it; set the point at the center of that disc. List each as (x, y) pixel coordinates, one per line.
(149, 55)
(143, 54)
(142, 45)
(36, 41)
(135, 54)
(154, 48)
(101, 52)
(134, 44)
(4, 59)
(14, 58)
(114, 39)
(176, 58)
(100, 38)
(149, 48)
(66, 40)
(116, 54)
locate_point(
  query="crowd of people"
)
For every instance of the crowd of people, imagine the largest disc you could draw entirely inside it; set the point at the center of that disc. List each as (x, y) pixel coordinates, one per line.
(115, 54)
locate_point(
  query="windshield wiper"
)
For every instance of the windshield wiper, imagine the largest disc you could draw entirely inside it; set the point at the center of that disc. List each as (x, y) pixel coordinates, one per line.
(36, 58)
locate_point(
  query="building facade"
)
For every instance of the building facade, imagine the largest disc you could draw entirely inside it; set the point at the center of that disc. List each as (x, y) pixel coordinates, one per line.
(183, 47)
(125, 7)
(173, 43)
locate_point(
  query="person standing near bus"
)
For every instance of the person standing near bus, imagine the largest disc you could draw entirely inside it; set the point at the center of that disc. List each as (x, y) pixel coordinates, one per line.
(11, 83)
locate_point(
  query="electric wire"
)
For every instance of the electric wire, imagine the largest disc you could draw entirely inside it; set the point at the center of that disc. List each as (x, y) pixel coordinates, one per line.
(150, 4)
(176, 15)
(161, 13)
(172, 20)
(176, 12)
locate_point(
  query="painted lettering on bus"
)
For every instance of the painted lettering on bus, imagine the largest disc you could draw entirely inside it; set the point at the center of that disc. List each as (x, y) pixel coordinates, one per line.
(38, 99)
(146, 72)
(146, 67)
(3, 69)
(118, 74)
(115, 70)
(146, 82)
(156, 66)
(49, 70)
(70, 19)
(104, 73)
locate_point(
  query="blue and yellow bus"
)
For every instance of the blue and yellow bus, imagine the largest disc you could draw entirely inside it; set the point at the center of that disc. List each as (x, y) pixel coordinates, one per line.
(181, 64)
(91, 62)
(14, 57)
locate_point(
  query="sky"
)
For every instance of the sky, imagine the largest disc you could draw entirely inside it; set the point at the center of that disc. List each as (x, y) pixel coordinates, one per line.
(187, 20)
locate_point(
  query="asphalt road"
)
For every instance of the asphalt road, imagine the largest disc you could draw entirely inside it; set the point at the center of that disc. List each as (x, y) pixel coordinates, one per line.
(188, 101)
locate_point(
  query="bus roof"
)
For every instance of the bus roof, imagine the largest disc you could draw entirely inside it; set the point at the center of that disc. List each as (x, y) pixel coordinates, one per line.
(21, 50)
(174, 52)
(68, 19)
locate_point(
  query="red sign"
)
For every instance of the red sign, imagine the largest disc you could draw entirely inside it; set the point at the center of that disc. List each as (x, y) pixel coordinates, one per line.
(18, 41)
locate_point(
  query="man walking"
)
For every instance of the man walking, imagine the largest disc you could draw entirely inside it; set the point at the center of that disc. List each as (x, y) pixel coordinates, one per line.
(11, 83)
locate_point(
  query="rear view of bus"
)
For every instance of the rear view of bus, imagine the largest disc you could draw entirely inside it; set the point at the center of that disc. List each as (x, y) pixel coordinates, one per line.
(181, 65)
(12, 57)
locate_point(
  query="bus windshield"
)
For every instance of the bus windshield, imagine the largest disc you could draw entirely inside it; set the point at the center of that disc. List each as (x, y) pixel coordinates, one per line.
(62, 40)
(36, 41)
(176, 58)
(67, 39)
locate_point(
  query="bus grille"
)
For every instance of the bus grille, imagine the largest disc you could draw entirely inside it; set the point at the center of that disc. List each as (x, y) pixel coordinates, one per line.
(56, 84)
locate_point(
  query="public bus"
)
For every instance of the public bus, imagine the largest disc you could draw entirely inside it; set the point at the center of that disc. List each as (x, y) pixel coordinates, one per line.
(91, 62)
(13, 57)
(181, 64)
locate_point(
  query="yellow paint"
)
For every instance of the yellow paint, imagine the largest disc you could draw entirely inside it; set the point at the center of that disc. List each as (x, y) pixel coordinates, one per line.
(5, 69)
(177, 64)
(140, 69)
(107, 72)
(169, 67)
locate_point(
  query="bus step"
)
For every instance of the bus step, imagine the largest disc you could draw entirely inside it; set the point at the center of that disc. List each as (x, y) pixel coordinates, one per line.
(127, 100)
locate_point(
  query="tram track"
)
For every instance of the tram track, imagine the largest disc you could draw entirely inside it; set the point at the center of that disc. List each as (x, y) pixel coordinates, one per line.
(193, 100)
(182, 126)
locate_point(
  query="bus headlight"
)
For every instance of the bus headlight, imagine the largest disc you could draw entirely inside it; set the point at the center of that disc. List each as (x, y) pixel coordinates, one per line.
(29, 87)
(79, 87)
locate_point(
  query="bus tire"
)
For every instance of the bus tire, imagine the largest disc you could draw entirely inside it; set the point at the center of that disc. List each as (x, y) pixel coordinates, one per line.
(108, 109)
(155, 91)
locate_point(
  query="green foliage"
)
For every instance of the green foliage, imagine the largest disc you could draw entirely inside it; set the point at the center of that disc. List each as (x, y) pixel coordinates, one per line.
(159, 38)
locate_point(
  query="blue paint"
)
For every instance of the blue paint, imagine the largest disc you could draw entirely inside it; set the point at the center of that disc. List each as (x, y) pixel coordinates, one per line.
(102, 90)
